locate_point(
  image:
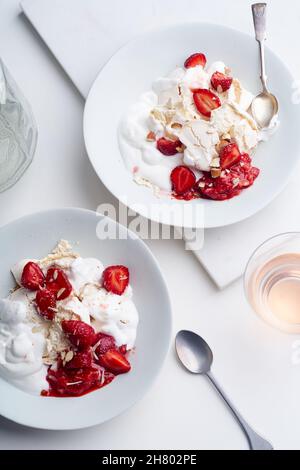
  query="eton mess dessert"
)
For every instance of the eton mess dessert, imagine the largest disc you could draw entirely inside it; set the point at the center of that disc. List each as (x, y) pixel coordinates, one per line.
(68, 326)
(193, 135)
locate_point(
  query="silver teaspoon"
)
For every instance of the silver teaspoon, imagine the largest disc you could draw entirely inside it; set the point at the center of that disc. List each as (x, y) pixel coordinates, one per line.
(197, 357)
(264, 106)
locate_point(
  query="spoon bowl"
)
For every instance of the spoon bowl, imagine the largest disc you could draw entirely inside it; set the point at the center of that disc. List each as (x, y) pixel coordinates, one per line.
(264, 108)
(193, 352)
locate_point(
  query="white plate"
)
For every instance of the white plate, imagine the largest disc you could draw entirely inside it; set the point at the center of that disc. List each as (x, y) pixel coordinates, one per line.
(131, 71)
(32, 237)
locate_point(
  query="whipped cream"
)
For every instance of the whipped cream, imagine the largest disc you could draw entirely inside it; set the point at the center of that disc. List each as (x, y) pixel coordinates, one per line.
(169, 110)
(84, 271)
(115, 315)
(29, 343)
(142, 158)
(21, 350)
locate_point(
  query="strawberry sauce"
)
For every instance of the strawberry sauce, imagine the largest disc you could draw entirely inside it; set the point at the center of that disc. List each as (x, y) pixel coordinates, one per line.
(65, 392)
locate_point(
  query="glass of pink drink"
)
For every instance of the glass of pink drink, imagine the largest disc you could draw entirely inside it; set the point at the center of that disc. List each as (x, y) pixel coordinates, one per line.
(272, 281)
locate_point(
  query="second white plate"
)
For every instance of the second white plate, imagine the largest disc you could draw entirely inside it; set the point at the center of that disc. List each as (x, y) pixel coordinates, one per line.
(35, 235)
(131, 71)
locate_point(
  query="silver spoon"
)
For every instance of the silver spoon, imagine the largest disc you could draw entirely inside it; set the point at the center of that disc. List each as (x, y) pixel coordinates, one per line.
(197, 357)
(264, 106)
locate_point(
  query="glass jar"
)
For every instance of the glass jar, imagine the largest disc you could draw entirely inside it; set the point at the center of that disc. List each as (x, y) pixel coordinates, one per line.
(18, 131)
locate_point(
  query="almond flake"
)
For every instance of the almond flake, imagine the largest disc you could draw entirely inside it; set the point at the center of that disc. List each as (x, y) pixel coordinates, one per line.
(69, 356)
(225, 136)
(102, 380)
(151, 137)
(37, 329)
(215, 172)
(171, 136)
(221, 145)
(176, 125)
(158, 115)
(180, 149)
(61, 291)
(215, 163)
(169, 116)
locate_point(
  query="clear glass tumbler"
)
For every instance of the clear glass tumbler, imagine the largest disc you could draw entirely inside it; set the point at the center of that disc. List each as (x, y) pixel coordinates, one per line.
(272, 281)
(18, 131)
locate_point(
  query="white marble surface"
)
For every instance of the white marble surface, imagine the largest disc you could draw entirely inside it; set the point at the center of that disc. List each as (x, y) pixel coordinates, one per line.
(252, 361)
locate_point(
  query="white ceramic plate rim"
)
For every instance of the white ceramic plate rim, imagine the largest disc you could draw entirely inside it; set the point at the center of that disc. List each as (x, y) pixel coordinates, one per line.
(16, 415)
(233, 218)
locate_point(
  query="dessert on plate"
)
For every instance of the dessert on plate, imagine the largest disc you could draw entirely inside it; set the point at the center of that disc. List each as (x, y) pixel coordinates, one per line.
(68, 326)
(193, 136)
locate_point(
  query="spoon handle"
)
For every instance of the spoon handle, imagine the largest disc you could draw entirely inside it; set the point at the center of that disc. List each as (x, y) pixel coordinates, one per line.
(259, 12)
(256, 442)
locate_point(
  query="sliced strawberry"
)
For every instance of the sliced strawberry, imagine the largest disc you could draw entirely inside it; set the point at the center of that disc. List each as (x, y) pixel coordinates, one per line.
(58, 282)
(168, 147)
(46, 302)
(116, 279)
(81, 360)
(115, 362)
(221, 82)
(229, 156)
(79, 333)
(32, 276)
(195, 59)
(182, 179)
(104, 343)
(205, 101)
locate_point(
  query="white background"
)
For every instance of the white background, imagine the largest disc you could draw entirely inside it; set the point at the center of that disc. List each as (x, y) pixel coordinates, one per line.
(252, 361)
